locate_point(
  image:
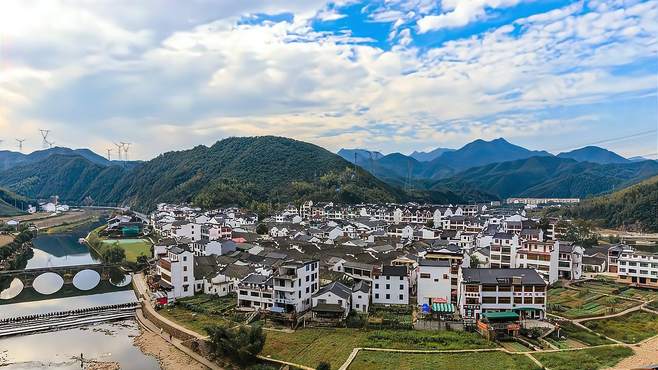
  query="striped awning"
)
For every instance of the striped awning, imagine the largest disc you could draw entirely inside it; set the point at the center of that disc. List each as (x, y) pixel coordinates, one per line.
(443, 308)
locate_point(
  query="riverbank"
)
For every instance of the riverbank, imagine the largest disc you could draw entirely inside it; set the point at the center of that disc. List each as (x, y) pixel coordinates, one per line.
(169, 357)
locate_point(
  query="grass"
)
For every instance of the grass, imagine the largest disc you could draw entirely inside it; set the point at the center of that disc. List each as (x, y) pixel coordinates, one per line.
(193, 320)
(610, 287)
(514, 346)
(133, 247)
(653, 305)
(68, 226)
(311, 346)
(586, 359)
(630, 328)
(571, 331)
(370, 360)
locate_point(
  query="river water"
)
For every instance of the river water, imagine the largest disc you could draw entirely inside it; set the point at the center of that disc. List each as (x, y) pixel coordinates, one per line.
(111, 342)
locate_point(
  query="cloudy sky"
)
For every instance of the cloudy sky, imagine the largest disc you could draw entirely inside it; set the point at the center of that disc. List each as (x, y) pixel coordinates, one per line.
(387, 75)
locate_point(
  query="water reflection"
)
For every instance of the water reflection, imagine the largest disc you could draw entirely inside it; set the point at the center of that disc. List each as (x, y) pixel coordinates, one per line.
(56, 350)
(48, 283)
(119, 278)
(15, 288)
(52, 250)
(86, 279)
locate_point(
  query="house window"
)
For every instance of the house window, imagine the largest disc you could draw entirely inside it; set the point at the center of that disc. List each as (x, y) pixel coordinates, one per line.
(185, 278)
(376, 295)
(376, 286)
(184, 268)
(401, 287)
(488, 299)
(388, 296)
(184, 258)
(388, 286)
(185, 288)
(401, 297)
(424, 275)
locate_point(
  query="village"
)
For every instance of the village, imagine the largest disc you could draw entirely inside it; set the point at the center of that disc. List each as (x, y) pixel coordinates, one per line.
(324, 269)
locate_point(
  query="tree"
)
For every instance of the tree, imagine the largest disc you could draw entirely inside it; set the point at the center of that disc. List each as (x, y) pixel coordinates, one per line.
(475, 262)
(142, 260)
(261, 229)
(324, 365)
(113, 254)
(242, 344)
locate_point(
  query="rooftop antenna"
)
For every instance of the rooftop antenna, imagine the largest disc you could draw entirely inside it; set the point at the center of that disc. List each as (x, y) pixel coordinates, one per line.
(44, 135)
(119, 149)
(20, 144)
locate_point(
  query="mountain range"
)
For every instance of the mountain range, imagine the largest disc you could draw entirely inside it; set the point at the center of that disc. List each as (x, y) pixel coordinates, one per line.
(423, 168)
(256, 171)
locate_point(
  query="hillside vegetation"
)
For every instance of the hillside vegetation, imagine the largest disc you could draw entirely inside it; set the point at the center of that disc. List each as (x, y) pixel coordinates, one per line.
(635, 208)
(550, 177)
(234, 171)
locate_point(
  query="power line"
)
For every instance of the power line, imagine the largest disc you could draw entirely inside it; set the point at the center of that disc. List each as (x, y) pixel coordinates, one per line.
(610, 140)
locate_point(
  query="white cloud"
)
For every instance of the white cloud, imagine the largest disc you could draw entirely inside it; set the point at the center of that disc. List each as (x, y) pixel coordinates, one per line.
(458, 13)
(221, 77)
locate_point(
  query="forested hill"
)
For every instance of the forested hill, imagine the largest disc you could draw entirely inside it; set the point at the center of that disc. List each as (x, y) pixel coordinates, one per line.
(634, 208)
(240, 170)
(11, 203)
(233, 171)
(550, 177)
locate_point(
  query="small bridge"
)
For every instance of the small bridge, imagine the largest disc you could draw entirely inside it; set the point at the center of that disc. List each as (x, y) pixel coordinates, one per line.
(68, 273)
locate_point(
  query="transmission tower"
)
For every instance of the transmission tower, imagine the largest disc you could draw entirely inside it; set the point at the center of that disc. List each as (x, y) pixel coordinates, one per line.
(44, 135)
(109, 154)
(1, 141)
(50, 144)
(20, 144)
(126, 147)
(119, 150)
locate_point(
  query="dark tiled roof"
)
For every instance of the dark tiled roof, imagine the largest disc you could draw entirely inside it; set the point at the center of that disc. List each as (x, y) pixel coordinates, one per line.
(394, 271)
(336, 288)
(492, 276)
(439, 263)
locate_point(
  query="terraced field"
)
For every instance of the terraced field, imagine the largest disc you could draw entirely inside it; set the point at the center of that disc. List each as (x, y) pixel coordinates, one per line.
(583, 303)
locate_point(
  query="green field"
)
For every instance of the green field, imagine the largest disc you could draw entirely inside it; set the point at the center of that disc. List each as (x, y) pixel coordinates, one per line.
(583, 303)
(586, 359)
(195, 321)
(311, 346)
(371, 360)
(610, 287)
(630, 328)
(133, 247)
(573, 332)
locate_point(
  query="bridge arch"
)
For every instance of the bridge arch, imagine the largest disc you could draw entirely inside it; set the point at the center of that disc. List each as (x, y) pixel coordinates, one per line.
(48, 283)
(14, 288)
(86, 279)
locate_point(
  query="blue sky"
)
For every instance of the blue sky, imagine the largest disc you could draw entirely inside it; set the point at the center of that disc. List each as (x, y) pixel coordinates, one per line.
(385, 75)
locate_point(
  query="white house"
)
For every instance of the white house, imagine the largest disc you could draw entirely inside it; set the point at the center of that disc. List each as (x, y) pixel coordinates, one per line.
(433, 282)
(391, 286)
(333, 298)
(361, 296)
(176, 272)
(294, 284)
(255, 292)
(494, 290)
(213, 247)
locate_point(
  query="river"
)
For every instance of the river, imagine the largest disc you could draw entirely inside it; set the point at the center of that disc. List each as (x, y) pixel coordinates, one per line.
(106, 342)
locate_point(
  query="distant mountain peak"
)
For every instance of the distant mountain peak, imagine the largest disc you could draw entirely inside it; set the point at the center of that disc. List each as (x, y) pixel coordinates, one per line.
(594, 154)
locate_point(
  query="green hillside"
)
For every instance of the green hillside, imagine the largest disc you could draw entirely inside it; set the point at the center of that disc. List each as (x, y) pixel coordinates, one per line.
(233, 171)
(635, 208)
(11, 203)
(550, 177)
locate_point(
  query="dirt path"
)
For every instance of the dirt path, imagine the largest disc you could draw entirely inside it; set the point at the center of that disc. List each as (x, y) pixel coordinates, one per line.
(645, 354)
(5, 239)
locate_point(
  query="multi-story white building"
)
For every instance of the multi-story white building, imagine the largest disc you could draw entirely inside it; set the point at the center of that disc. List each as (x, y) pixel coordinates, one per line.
(493, 290)
(503, 249)
(188, 230)
(541, 256)
(570, 265)
(213, 247)
(391, 286)
(638, 268)
(176, 272)
(256, 292)
(294, 283)
(433, 282)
